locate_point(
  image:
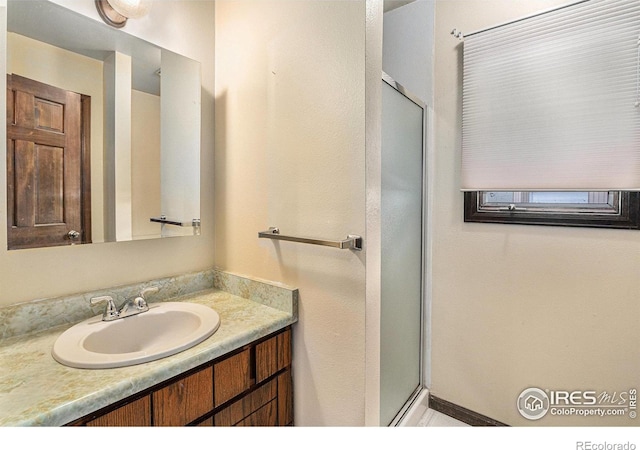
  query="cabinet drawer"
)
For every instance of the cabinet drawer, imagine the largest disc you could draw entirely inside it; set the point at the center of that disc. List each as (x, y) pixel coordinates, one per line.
(273, 355)
(247, 405)
(134, 414)
(232, 376)
(185, 400)
(266, 416)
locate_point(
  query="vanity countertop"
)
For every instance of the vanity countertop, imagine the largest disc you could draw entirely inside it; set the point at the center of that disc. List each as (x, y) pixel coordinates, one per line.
(35, 390)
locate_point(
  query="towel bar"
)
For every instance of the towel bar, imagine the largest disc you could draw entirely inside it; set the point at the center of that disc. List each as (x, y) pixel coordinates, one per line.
(352, 242)
(164, 220)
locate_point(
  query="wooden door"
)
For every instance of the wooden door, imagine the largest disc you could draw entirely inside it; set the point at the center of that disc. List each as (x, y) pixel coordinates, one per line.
(44, 165)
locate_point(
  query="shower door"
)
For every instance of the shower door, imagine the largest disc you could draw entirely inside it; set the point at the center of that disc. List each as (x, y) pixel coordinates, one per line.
(402, 206)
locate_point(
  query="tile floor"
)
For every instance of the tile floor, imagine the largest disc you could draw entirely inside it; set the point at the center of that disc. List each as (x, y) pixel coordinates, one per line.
(432, 418)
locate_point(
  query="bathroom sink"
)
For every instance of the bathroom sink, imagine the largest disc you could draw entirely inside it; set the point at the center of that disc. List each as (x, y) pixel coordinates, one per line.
(166, 329)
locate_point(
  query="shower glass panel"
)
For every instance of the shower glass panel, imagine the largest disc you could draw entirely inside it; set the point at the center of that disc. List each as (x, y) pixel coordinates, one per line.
(402, 250)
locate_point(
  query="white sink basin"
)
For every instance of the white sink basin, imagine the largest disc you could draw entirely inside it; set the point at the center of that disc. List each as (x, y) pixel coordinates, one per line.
(166, 329)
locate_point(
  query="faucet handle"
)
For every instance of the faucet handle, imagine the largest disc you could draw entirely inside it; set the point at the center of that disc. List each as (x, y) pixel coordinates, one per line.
(140, 302)
(111, 312)
(149, 290)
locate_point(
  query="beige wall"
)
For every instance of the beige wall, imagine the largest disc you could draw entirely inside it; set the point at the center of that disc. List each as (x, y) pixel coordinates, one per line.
(290, 152)
(521, 306)
(183, 27)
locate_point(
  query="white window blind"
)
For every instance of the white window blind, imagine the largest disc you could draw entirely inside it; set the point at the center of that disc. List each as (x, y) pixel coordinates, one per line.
(549, 102)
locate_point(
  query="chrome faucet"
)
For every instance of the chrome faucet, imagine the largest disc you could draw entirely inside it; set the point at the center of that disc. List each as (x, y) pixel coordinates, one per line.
(131, 307)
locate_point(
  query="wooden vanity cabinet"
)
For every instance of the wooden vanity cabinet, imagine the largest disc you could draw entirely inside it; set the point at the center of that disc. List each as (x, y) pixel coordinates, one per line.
(249, 387)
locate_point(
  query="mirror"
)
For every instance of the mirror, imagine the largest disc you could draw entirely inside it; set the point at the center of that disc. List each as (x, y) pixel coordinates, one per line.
(103, 132)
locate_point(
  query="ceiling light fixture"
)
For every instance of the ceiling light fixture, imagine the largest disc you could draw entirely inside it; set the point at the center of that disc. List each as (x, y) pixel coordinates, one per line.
(116, 12)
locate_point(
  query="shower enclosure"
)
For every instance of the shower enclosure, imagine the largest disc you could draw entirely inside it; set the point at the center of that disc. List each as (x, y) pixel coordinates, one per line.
(403, 261)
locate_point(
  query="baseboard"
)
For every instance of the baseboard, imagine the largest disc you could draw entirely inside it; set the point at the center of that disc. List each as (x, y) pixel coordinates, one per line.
(462, 414)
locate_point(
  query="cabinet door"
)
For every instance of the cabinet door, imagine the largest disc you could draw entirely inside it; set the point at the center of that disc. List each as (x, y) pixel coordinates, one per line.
(273, 355)
(247, 405)
(185, 400)
(134, 414)
(232, 376)
(285, 399)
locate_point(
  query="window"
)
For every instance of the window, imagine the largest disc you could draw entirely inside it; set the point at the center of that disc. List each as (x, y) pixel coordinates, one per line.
(550, 103)
(613, 209)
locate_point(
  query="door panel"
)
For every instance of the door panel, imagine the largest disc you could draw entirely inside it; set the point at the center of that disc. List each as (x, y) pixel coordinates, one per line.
(49, 115)
(44, 164)
(49, 207)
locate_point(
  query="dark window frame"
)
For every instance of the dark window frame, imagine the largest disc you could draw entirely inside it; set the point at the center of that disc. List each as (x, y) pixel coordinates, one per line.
(628, 218)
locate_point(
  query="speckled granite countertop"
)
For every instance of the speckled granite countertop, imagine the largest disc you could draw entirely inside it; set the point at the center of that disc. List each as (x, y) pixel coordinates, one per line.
(35, 390)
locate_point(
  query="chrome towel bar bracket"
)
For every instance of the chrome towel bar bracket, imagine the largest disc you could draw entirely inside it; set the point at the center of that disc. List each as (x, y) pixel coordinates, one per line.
(352, 242)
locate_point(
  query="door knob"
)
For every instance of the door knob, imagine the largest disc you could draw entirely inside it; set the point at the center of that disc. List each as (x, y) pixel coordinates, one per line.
(73, 234)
